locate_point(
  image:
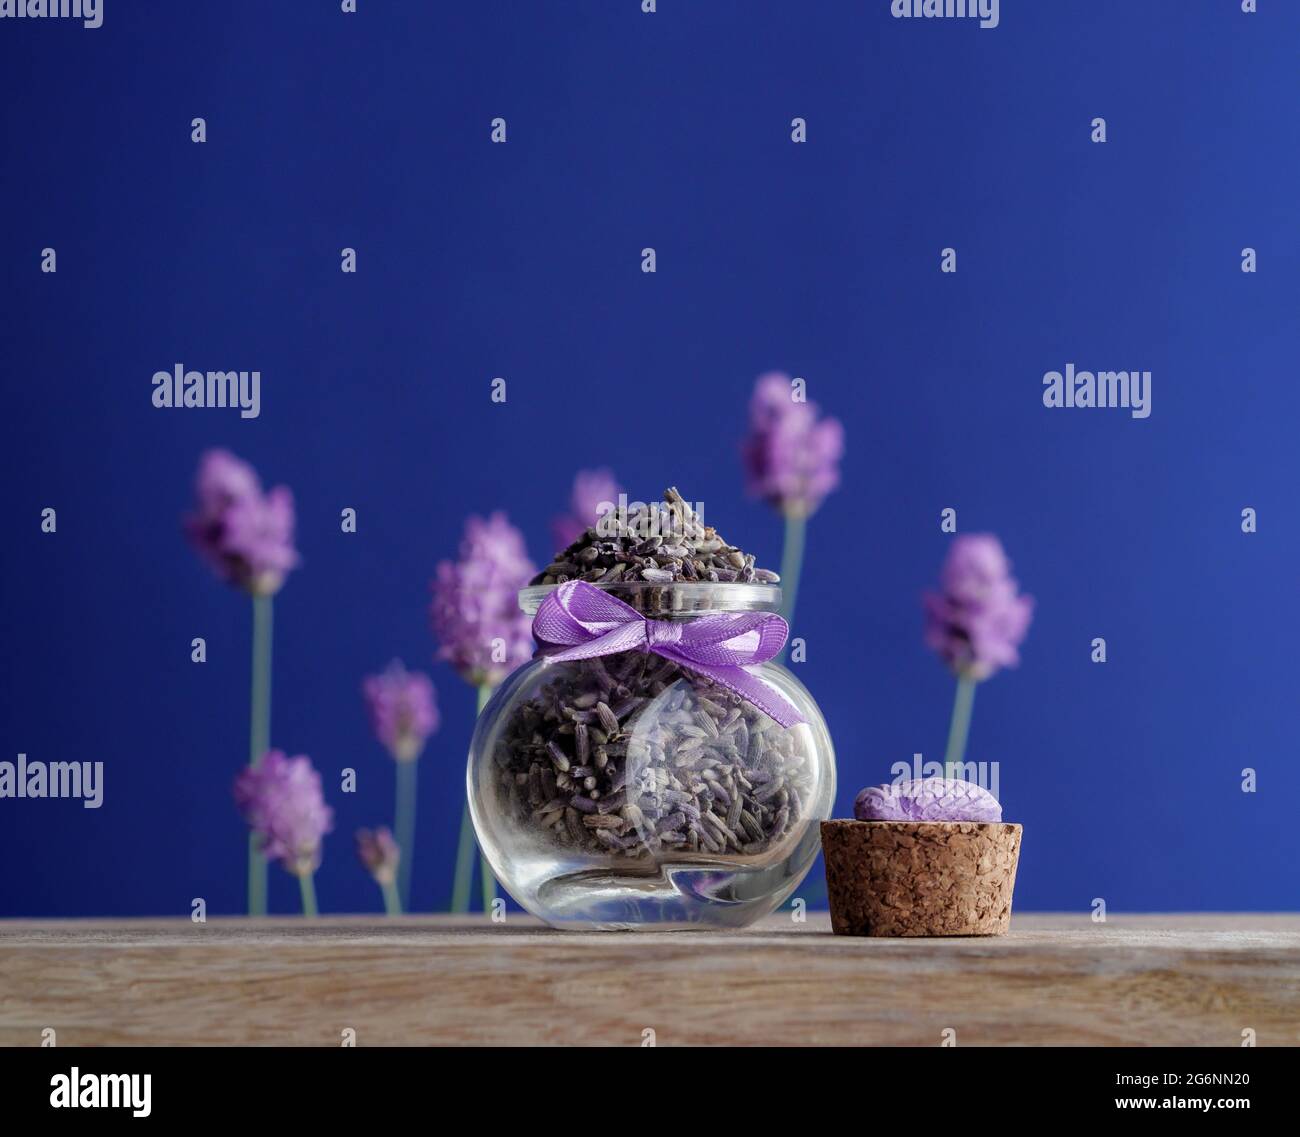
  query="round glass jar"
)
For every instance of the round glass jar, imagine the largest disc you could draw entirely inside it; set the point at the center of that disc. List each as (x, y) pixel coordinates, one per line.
(625, 791)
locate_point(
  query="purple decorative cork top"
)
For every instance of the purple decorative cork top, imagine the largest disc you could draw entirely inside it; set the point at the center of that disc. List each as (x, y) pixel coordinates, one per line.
(927, 799)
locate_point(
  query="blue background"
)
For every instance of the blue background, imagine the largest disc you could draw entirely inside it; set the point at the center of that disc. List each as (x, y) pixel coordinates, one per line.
(522, 260)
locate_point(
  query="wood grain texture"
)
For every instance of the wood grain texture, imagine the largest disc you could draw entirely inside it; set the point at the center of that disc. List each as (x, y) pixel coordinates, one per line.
(1135, 980)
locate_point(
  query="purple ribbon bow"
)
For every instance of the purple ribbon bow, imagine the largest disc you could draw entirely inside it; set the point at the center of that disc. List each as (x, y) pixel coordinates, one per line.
(580, 621)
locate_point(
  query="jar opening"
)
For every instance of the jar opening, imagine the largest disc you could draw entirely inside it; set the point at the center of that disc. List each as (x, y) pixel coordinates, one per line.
(681, 598)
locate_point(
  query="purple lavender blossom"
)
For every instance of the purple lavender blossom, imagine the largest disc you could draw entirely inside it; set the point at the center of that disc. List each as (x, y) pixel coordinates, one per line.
(403, 709)
(379, 853)
(282, 802)
(475, 612)
(246, 535)
(792, 458)
(591, 489)
(927, 799)
(978, 619)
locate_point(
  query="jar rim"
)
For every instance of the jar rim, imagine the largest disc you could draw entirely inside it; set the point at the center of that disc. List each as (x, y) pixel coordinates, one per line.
(674, 598)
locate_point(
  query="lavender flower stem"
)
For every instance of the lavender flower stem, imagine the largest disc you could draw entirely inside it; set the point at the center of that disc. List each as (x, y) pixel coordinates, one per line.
(392, 904)
(307, 885)
(404, 824)
(485, 870)
(960, 727)
(791, 563)
(259, 738)
(489, 883)
(464, 876)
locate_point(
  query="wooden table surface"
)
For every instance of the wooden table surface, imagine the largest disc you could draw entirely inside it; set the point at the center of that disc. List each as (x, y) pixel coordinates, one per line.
(1055, 979)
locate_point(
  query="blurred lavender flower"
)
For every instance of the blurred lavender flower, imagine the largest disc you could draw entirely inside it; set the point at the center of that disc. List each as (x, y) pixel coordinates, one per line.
(379, 853)
(282, 802)
(792, 461)
(927, 799)
(246, 535)
(975, 624)
(403, 709)
(591, 488)
(792, 458)
(403, 713)
(484, 635)
(475, 613)
(978, 619)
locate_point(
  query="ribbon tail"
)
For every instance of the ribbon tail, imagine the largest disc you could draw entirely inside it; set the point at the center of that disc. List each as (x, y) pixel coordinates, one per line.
(741, 681)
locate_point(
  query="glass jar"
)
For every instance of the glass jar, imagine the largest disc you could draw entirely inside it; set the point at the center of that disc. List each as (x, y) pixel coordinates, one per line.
(626, 791)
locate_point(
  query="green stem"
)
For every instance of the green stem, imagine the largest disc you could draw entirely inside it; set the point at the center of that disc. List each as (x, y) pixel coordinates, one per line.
(796, 525)
(487, 880)
(404, 824)
(464, 874)
(259, 738)
(307, 886)
(960, 727)
(392, 905)
(489, 883)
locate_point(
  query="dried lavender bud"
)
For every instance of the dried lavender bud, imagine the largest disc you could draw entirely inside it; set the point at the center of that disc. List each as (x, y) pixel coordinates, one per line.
(612, 802)
(733, 813)
(927, 799)
(607, 719)
(707, 840)
(558, 757)
(575, 827)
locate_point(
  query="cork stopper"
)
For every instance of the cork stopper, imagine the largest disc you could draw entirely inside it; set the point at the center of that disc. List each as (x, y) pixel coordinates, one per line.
(920, 878)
